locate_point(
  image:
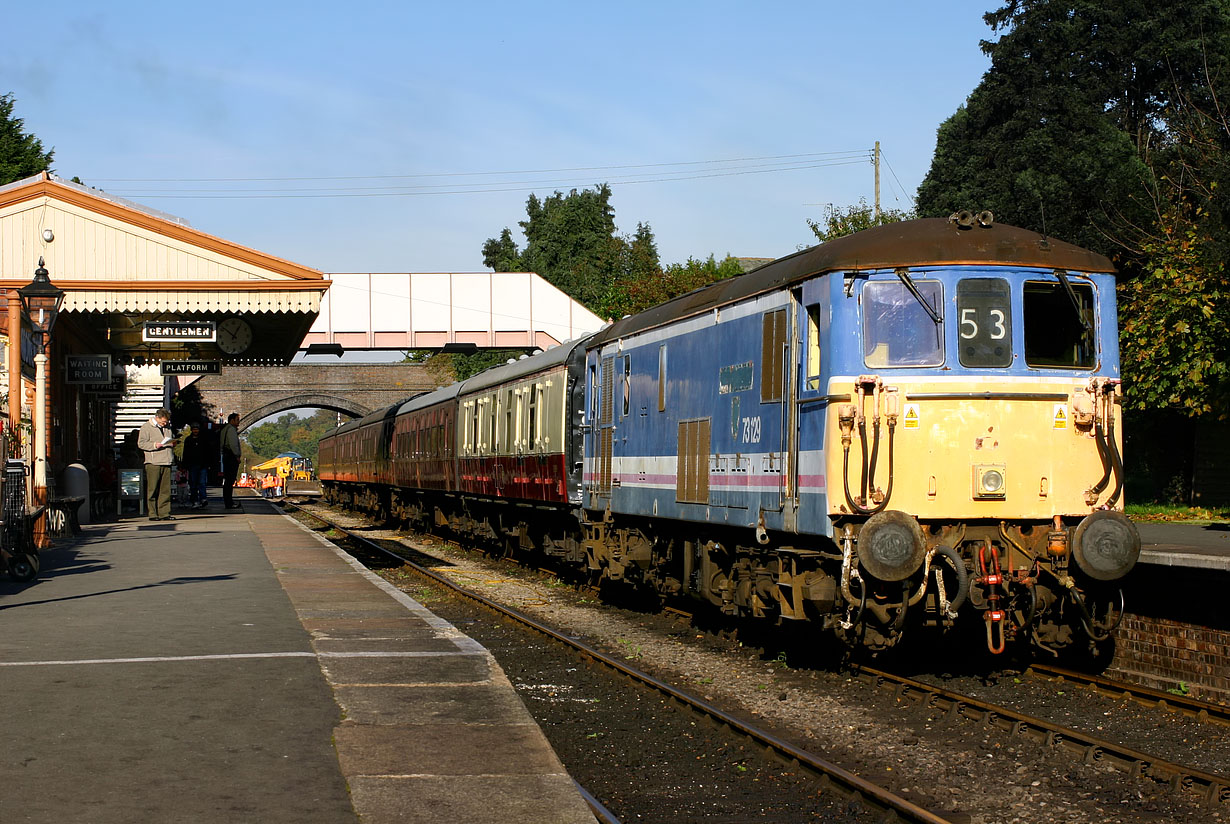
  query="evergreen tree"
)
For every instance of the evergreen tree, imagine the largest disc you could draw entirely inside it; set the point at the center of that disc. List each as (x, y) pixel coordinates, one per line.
(21, 154)
(502, 255)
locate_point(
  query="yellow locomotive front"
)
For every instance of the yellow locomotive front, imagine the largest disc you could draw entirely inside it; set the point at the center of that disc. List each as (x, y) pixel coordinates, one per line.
(973, 455)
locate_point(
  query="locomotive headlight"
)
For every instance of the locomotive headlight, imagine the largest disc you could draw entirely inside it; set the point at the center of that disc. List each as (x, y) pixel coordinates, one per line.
(891, 546)
(989, 481)
(1106, 545)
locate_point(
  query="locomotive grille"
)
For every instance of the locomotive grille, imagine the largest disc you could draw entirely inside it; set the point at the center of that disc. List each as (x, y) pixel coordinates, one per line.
(692, 478)
(606, 410)
(772, 352)
(604, 461)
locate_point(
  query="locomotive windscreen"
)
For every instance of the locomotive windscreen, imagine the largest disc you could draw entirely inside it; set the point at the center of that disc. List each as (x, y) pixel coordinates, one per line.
(897, 329)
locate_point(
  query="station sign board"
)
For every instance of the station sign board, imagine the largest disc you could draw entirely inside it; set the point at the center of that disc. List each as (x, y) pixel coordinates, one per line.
(117, 386)
(87, 368)
(199, 331)
(191, 367)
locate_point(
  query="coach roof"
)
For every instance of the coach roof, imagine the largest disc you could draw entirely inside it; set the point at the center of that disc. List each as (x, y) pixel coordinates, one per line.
(924, 242)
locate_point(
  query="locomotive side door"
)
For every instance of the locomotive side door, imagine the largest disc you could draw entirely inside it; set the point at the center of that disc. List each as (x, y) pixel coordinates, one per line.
(813, 368)
(603, 384)
(775, 390)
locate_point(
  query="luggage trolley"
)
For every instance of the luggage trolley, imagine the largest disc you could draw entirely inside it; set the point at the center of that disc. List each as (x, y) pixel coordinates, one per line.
(18, 555)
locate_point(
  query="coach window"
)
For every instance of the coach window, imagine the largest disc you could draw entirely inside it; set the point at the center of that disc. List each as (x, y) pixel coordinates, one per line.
(593, 395)
(984, 322)
(813, 347)
(509, 420)
(897, 329)
(627, 383)
(531, 418)
(1059, 327)
(662, 378)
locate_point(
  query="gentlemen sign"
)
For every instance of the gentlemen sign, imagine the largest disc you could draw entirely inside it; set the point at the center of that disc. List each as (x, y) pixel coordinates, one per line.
(155, 331)
(87, 369)
(191, 367)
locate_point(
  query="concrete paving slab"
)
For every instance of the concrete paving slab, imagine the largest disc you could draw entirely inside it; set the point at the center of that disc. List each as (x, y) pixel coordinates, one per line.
(540, 799)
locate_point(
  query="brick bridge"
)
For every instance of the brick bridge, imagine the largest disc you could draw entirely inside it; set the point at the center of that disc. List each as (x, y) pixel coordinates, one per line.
(258, 392)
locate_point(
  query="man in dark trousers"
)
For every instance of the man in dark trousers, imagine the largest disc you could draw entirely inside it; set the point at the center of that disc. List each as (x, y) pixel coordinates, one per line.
(230, 459)
(157, 442)
(196, 463)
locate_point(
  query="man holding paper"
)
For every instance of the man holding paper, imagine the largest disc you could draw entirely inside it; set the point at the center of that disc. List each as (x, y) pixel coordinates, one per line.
(157, 441)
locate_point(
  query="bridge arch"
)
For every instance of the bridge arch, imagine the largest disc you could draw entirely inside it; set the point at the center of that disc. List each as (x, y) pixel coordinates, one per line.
(333, 403)
(257, 392)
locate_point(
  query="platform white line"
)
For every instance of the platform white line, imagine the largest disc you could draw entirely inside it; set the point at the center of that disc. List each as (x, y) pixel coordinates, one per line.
(238, 656)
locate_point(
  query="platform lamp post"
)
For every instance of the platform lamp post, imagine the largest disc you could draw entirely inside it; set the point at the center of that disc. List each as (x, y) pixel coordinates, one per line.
(41, 301)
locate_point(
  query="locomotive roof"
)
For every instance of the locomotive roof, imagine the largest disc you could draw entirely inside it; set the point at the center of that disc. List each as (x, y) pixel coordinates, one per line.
(923, 242)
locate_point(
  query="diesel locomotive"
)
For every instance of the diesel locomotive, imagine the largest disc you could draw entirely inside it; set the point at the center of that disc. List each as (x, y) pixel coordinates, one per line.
(918, 425)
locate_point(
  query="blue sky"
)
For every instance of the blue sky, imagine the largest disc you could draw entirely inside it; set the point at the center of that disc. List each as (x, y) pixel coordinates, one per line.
(194, 109)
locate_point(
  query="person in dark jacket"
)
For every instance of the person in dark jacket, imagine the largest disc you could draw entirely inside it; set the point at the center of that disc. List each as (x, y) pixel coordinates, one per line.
(231, 451)
(196, 464)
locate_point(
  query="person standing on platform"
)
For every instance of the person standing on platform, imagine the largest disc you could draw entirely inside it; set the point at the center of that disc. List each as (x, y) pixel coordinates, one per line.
(230, 459)
(157, 442)
(196, 463)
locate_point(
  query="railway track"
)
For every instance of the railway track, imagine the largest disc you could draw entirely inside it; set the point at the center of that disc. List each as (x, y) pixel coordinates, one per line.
(1209, 788)
(848, 784)
(1169, 701)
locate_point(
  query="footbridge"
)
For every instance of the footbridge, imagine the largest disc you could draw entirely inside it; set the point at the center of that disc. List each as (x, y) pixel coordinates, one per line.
(449, 311)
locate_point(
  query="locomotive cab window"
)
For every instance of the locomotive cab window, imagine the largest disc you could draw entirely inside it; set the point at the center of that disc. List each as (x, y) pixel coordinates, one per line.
(897, 329)
(1059, 326)
(813, 347)
(984, 322)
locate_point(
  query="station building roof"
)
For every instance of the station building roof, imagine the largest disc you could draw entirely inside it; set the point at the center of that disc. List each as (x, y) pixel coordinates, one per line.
(122, 264)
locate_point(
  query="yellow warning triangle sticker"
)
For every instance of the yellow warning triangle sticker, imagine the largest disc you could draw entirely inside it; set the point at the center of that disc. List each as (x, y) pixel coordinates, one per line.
(1061, 417)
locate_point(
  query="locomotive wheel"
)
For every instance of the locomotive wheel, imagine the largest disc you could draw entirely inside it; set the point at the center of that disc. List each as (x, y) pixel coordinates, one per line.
(23, 567)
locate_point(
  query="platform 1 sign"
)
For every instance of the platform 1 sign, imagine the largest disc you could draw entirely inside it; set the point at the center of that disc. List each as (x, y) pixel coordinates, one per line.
(200, 331)
(87, 368)
(191, 367)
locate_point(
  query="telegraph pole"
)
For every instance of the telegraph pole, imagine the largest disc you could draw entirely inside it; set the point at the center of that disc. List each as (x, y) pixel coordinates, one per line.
(877, 165)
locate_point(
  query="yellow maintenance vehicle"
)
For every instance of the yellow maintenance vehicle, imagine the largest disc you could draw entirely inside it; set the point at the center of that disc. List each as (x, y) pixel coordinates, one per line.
(288, 465)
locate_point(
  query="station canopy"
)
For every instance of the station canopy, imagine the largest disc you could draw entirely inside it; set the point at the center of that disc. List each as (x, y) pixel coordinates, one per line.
(124, 266)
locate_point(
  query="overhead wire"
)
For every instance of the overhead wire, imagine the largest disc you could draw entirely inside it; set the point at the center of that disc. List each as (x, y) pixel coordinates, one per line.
(747, 167)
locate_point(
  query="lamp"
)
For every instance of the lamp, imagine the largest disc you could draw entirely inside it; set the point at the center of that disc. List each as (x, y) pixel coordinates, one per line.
(41, 301)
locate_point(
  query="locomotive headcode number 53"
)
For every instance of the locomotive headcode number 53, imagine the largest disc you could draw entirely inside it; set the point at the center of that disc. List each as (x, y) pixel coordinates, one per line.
(751, 430)
(969, 324)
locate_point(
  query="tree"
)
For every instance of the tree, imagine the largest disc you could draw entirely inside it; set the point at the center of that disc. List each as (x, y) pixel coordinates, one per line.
(21, 154)
(1060, 134)
(290, 433)
(854, 219)
(638, 292)
(572, 242)
(502, 255)
(1175, 308)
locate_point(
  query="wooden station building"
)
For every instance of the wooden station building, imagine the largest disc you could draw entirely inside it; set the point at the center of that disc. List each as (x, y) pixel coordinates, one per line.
(141, 287)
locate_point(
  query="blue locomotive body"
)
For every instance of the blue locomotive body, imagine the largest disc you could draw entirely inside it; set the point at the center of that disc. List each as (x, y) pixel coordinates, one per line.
(882, 432)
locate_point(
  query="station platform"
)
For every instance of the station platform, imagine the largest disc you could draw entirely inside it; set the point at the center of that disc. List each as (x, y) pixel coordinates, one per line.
(232, 666)
(1200, 546)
